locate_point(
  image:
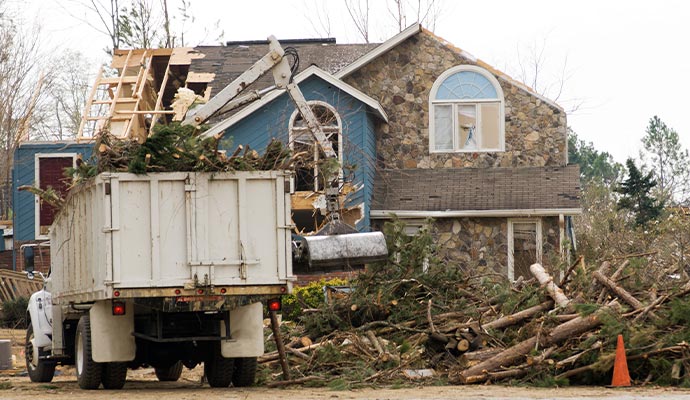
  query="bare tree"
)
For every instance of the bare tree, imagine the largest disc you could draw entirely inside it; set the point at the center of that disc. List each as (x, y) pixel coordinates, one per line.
(19, 77)
(534, 70)
(65, 95)
(359, 14)
(319, 18)
(401, 12)
(140, 27)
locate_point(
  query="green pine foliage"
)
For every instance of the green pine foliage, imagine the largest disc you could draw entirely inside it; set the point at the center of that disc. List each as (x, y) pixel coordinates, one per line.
(637, 198)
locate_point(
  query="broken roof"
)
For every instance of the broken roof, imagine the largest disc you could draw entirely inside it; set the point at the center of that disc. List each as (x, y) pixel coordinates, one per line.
(488, 191)
(229, 62)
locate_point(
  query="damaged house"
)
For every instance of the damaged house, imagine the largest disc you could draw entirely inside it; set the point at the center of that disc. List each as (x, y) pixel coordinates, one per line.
(422, 130)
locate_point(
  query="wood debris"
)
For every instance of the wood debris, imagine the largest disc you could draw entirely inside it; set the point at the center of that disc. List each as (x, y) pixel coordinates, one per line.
(474, 327)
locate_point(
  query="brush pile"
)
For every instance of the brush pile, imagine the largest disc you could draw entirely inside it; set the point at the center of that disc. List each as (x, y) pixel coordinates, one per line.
(445, 324)
(180, 148)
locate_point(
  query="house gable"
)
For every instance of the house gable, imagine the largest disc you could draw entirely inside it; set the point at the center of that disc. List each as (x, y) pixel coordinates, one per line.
(271, 119)
(401, 80)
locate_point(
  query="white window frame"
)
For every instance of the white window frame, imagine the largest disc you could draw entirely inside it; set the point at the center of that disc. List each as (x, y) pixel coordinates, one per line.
(37, 183)
(454, 103)
(316, 155)
(511, 242)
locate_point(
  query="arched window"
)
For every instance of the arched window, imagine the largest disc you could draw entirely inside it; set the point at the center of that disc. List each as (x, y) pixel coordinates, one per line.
(308, 176)
(466, 112)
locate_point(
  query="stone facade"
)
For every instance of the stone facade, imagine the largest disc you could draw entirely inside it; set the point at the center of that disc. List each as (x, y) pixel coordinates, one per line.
(401, 80)
(483, 242)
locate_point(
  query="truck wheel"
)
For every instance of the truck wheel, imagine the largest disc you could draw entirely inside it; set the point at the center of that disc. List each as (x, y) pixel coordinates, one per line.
(88, 371)
(245, 372)
(114, 375)
(218, 369)
(171, 373)
(39, 370)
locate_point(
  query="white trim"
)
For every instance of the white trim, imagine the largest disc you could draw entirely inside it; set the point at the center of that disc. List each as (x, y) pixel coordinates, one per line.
(453, 103)
(380, 49)
(511, 245)
(299, 78)
(316, 149)
(535, 212)
(37, 182)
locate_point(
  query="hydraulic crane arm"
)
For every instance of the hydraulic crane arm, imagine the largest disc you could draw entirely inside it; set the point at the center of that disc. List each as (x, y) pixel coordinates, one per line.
(276, 62)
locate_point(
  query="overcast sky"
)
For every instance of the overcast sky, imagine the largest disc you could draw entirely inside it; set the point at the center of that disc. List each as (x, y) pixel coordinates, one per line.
(624, 61)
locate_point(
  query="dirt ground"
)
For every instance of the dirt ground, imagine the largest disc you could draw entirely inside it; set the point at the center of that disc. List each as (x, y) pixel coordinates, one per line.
(142, 384)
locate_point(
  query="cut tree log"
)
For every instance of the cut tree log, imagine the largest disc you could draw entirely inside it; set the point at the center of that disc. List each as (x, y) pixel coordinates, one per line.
(273, 356)
(614, 277)
(275, 326)
(463, 345)
(618, 290)
(552, 289)
(480, 355)
(513, 319)
(511, 355)
(302, 341)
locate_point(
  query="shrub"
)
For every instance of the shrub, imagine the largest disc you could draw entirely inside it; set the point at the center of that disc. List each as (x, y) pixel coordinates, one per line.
(14, 313)
(310, 296)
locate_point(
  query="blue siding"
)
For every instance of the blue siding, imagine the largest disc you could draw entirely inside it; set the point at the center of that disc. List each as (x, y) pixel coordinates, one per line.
(359, 143)
(24, 172)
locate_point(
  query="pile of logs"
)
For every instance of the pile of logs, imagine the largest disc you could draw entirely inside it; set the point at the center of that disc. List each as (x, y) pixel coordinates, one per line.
(557, 331)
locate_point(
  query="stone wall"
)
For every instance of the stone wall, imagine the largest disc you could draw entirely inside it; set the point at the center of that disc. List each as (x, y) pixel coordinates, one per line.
(482, 243)
(401, 80)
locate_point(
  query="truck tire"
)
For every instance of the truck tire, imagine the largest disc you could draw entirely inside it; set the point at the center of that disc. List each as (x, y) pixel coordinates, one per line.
(114, 375)
(218, 369)
(245, 372)
(169, 374)
(88, 371)
(39, 370)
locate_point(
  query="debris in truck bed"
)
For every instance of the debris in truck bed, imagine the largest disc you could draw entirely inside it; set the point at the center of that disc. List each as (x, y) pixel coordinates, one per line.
(171, 148)
(473, 326)
(180, 148)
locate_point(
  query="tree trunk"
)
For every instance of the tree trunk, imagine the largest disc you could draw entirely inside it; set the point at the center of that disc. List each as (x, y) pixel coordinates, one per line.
(619, 291)
(518, 316)
(546, 280)
(511, 355)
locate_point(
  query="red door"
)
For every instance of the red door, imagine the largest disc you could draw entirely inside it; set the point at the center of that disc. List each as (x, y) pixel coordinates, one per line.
(51, 174)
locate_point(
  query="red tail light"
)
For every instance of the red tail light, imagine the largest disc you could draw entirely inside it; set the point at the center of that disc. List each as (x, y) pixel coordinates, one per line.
(119, 308)
(274, 305)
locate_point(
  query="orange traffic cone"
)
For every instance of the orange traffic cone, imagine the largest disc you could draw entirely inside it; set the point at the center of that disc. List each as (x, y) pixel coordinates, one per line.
(621, 377)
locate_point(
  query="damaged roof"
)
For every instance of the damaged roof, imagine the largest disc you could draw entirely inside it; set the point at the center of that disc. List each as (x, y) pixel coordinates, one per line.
(228, 62)
(478, 189)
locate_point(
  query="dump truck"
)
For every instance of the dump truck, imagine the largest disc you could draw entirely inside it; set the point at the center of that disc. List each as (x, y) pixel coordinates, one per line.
(174, 269)
(164, 269)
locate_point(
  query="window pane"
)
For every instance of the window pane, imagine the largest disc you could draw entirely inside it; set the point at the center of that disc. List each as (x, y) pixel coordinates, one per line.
(443, 127)
(467, 125)
(490, 126)
(466, 85)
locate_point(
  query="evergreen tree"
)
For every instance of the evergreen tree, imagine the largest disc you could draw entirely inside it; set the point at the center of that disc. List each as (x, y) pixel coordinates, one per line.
(636, 195)
(594, 165)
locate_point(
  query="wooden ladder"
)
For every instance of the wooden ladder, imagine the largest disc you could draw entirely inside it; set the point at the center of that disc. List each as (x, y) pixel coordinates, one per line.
(118, 103)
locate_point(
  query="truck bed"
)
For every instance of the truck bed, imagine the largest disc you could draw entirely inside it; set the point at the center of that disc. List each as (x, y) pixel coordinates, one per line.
(149, 235)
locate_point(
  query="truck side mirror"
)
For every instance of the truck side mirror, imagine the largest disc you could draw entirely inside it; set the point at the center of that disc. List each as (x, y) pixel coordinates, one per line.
(29, 264)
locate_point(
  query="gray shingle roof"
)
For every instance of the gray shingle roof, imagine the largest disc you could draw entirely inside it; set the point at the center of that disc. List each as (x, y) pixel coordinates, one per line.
(228, 62)
(461, 189)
